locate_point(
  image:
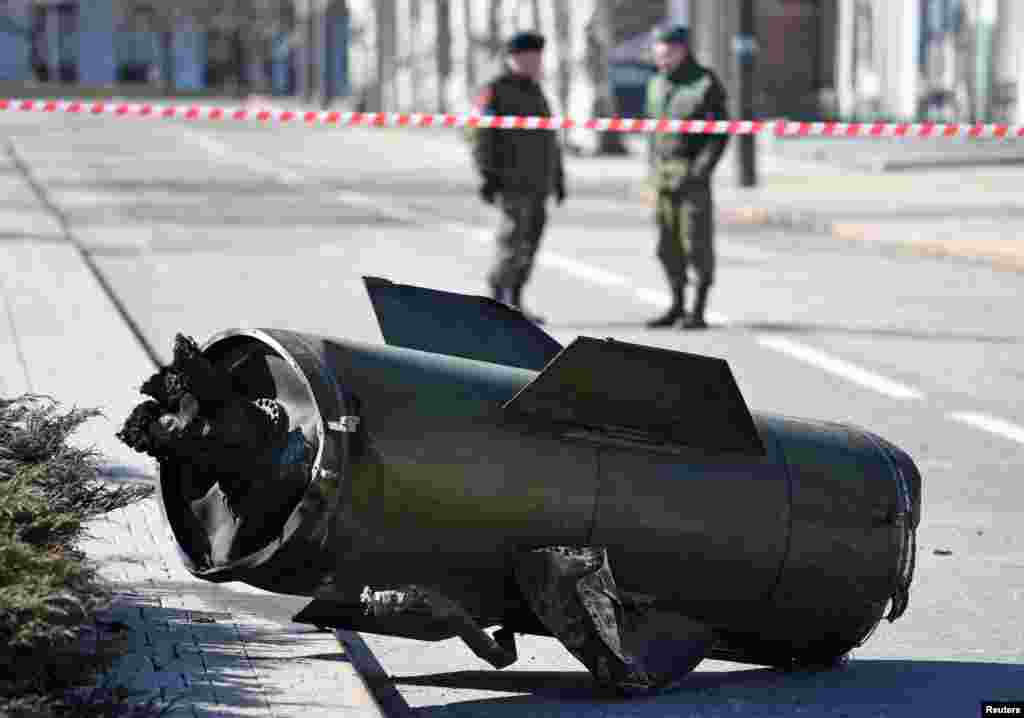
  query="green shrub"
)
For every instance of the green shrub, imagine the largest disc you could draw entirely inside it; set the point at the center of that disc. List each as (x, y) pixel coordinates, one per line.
(48, 591)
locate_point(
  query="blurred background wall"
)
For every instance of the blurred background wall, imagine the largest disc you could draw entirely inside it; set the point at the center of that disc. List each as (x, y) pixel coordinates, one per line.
(953, 60)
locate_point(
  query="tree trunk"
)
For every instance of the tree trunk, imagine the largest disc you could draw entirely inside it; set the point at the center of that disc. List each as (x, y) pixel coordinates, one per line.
(387, 17)
(309, 63)
(167, 61)
(412, 52)
(965, 70)
(467, 21)
(238, 60)
(494, 26)
(334, 45)
(443, 52)
(600, 34)
(563, 32)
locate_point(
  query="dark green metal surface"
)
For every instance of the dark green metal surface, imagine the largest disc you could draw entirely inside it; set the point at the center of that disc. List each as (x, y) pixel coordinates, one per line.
(788, 537)
(438, 486)
(457, 325)
(643, 394)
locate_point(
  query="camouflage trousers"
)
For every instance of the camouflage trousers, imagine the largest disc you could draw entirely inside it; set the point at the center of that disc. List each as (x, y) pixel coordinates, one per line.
(686, 234)
(522, 226)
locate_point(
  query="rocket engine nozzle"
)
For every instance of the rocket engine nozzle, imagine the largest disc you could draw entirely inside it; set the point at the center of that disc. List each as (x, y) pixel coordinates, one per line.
(239, 438)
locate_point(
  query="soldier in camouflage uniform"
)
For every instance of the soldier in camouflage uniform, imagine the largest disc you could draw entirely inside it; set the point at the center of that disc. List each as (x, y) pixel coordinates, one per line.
(681, 168)
(520, 168)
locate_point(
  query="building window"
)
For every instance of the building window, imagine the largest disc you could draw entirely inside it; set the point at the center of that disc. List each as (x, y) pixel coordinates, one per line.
(55, 42)
(137, 47)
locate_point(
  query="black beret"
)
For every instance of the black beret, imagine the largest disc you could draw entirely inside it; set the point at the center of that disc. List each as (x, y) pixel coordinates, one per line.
(525, 41)
(674, 34)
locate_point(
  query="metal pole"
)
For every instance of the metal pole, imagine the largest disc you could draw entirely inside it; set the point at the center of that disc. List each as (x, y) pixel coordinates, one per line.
(310, 50)
(984, 56)
(327, 18)
(746, 51)
(443, 52)
(240, 56)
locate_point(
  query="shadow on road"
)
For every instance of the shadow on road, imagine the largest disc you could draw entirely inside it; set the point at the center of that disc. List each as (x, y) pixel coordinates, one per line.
(889, 332)
(861, 689)
(769, 327)
(597, 326)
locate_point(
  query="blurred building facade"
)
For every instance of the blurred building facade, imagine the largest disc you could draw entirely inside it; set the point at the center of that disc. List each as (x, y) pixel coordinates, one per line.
(796, 44)
(954, 60)
(177, 45)
(854, 59)
(942, 60)
(599, 49)
(15, 40)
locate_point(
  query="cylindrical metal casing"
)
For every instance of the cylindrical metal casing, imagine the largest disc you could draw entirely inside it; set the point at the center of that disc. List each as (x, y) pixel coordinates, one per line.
(438, 485)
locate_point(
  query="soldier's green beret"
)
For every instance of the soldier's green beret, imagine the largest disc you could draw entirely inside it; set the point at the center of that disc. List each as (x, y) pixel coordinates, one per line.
(525, 41)
(673, 35)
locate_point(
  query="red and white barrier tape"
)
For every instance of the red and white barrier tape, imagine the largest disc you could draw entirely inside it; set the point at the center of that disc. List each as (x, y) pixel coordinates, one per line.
(782, 128)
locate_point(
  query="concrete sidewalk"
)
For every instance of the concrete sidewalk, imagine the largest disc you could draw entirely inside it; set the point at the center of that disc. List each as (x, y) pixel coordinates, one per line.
(185, 653)
(61, 335)
(974, 213)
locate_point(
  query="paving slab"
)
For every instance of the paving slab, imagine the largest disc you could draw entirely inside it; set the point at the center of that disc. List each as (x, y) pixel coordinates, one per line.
(183, 651)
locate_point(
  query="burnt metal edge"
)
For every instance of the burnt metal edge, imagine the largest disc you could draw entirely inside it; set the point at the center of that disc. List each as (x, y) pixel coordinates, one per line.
(290, 524)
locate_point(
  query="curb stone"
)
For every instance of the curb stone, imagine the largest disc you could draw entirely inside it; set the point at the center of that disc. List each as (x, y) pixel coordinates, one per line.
(999, 255)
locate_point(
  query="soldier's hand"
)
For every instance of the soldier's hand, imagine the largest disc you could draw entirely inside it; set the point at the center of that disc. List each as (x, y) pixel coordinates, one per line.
(488, 191)
(560, 193)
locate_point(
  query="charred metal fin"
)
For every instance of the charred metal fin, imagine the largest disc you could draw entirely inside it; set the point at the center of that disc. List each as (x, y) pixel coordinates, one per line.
(458, 325)
(630, 393)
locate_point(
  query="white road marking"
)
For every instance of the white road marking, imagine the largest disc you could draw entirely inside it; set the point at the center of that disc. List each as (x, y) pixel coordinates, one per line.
(482, 235)
(840, 368)
(991, 424)
(391, 209)
(575, 268)
(582, 270)
(253, 162)
(660, 298)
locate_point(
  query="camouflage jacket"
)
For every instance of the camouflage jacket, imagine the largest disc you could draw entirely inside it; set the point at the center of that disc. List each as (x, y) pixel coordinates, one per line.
(691, 92)
(518, 160)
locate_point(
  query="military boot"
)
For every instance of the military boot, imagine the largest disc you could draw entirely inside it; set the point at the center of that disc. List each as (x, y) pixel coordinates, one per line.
(516, 301)
(676, 312)
(696, 319)
(501, 294)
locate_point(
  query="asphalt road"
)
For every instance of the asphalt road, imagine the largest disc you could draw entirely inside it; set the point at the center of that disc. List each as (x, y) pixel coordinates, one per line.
(894, 154)
(202, 227)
